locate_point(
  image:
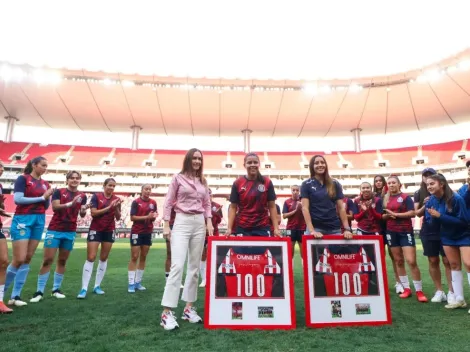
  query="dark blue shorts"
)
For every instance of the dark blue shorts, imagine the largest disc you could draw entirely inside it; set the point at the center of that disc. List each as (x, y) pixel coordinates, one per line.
(432, 247)
(262, 232)
(142, 239)
(101, 236)
(400, 239)
(461, 242)
(2, 235)
(295, 235)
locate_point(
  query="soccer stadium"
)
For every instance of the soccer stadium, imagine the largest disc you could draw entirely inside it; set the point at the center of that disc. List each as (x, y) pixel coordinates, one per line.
(116, 93)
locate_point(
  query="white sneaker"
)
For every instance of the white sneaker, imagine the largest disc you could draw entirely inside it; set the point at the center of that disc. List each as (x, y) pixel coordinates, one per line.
(399, 288)
(439, 297)
(58, 294)
(37, 297)
(190, 315)
(456, 304)
(203, 283)
(17, 302)
(168, 321)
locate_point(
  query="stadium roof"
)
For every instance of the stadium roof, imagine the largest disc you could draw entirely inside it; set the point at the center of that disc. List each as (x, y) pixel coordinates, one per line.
(303, 69)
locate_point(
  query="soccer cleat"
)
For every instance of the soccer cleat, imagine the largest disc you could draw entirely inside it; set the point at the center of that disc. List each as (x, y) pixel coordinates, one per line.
(406, 293)
(4, 309)
(16, 301)
(203, 283)
(57, 294)
(399, 288)
(131, 288)
(439, 297)
(139, 287)
(456, 304)
(190, 315)
(98, 290)
(82, 294)
(168, 321)
(37, 297)
(420, 296)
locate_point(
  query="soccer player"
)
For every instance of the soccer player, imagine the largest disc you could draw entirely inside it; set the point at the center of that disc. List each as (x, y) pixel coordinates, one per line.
(431, 241)
(322, 201)
(292, 211)
(188, 194)
(278, 217)
(216, 220)
(380, 189)
(67, 203)
(31, 195)
(105, 210)
(254, 198)
(398, 212)
(143, 214)
(3, 251)
(448, 209)
(349, 209)
(368, 211)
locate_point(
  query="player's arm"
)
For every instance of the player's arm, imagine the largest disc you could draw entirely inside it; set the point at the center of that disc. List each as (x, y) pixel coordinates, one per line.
(306, 213)
(273, 215)
(409, 213)
(232, 212)
(84, 206)
(286, 213)
(56, 205)
(94, 207)
(349, 214)
(278, 213)
(117, 209)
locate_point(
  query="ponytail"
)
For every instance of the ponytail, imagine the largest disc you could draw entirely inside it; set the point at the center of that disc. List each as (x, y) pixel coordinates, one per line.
(29, 166)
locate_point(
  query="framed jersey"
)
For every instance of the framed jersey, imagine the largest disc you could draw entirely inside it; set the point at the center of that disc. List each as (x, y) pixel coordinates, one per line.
(345, 281)
(249, 284)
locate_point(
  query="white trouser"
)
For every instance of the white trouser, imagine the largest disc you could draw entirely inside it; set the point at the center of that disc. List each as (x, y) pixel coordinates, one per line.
(188, 234)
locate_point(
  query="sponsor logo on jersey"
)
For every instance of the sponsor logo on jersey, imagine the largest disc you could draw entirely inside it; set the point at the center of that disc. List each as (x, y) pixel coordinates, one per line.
(400, 200)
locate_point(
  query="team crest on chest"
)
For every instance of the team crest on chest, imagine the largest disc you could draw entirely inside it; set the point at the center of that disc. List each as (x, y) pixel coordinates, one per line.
(151, 206)
(261, 188)
(214, 209)
(400, 200)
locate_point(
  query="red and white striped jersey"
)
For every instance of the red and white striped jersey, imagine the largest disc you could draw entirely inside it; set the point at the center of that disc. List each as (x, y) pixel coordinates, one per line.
(249, 275)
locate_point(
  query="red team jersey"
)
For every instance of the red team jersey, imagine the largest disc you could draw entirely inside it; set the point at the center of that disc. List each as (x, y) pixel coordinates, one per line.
(296, 221)
(400, 203)
(141, 207)
(105, 222)
(2, 202)
(31, 188)
(216, 210)
(369, 220)
(344, 274)
(248, 275)
(65, 220)
(252, 198)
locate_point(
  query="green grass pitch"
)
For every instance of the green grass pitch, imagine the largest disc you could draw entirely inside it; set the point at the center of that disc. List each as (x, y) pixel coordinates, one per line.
(120, 321)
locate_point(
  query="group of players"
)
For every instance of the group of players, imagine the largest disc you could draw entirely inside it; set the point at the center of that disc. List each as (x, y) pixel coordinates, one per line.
(318, 207)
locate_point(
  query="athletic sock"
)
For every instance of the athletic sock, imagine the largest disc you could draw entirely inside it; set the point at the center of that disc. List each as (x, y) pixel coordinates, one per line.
(10, 276)
(418, 285)
(20, 280)
(86, 276)
(57, 281)
(2, 290)
(202, 270)
(100, 272)
(42, 282)
(468, 278)
(404, 281)
(457, 284)
(131, 277)
(138, 276)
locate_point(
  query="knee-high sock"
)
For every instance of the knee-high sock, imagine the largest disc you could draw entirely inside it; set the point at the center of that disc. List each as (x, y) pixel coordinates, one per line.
(138, 276)
(20, 280)
(42, 282)
(86, 275)
(10, 277)
(57, 281)
(100, 272)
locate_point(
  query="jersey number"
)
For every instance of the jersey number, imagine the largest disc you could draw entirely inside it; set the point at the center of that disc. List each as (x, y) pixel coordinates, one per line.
(346, 284)
(260, 288)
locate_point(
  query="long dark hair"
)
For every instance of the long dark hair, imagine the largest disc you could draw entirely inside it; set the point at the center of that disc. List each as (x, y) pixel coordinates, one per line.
(379, 192)
(187, 168)
(29, 166)
(448, 192)
(327, 180)
(259, 177)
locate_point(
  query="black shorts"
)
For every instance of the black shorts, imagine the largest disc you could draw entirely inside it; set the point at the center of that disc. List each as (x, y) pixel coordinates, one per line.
(142, 239)
(2, 235)
(295, 235)
(101, 236)
(432, 247)
(400, 239)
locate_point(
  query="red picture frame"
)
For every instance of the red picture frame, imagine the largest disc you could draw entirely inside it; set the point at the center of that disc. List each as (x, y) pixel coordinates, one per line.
(210, 300)
(379, 255)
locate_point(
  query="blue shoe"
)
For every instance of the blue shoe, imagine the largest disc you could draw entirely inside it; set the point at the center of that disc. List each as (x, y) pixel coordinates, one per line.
(131, 288)
(139, 287)
(82, 294)
(98, 290)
